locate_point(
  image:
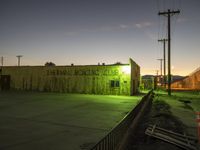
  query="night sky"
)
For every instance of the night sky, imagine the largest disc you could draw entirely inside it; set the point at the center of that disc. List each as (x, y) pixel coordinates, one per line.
(96, 31)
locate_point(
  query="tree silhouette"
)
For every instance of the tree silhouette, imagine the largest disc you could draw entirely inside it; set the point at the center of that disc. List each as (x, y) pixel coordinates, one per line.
(49, 64)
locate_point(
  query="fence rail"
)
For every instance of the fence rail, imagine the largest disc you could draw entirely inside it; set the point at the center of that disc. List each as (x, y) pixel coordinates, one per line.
(113, 139)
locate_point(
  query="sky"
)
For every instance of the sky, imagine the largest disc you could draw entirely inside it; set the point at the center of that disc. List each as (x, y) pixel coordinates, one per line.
(85, 32)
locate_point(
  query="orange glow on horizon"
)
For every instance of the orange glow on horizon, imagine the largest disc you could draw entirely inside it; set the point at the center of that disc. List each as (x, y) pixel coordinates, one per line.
(180, 72)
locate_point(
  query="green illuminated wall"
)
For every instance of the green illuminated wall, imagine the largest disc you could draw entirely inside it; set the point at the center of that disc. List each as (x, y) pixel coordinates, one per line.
(96, 79)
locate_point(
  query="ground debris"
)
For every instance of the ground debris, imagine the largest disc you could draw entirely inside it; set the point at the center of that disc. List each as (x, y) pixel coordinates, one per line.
(161, 115)
(180, 140)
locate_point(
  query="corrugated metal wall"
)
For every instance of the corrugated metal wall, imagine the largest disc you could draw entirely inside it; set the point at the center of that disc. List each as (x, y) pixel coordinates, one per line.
(191, 82)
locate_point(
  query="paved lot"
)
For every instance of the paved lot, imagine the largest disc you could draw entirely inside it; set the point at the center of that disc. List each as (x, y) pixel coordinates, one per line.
(55, 121)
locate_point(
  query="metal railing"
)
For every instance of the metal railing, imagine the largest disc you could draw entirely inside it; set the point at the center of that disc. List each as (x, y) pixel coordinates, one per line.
(112, 140)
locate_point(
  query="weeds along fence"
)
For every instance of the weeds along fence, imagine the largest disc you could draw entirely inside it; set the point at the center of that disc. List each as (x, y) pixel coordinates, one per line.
(113, 140)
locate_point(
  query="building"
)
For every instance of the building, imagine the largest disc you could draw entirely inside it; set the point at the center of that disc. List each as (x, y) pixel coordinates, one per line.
(191, 82)
(115, 79)
(148, 82)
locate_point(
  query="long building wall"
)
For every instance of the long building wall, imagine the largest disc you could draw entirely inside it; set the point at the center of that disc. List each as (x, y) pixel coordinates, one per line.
(102, 79)
(191, 82)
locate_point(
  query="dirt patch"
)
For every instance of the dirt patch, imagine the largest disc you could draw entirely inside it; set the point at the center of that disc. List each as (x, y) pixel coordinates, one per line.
(161, 115)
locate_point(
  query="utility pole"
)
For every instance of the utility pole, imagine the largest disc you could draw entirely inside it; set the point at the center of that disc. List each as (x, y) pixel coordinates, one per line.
(160, 70)
(164, 59)
(168, 14)
(156, 79)
(160, 66)
(157, 72)
(18, 57)
(2, 61)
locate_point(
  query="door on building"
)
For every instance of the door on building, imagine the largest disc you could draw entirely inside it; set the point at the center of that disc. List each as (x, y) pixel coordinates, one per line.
(5, 82)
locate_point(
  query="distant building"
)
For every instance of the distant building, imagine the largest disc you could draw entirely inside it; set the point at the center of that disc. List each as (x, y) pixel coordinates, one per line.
(115, 79)
(148, 82)
(191, 82)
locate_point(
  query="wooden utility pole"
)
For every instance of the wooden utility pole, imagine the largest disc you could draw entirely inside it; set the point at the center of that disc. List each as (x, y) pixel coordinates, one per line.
(164, 59)
(160, 66)
(156, 80)
(18, 57)
(2, 61)
(168, 14)
(160, 70)
(157, 72)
